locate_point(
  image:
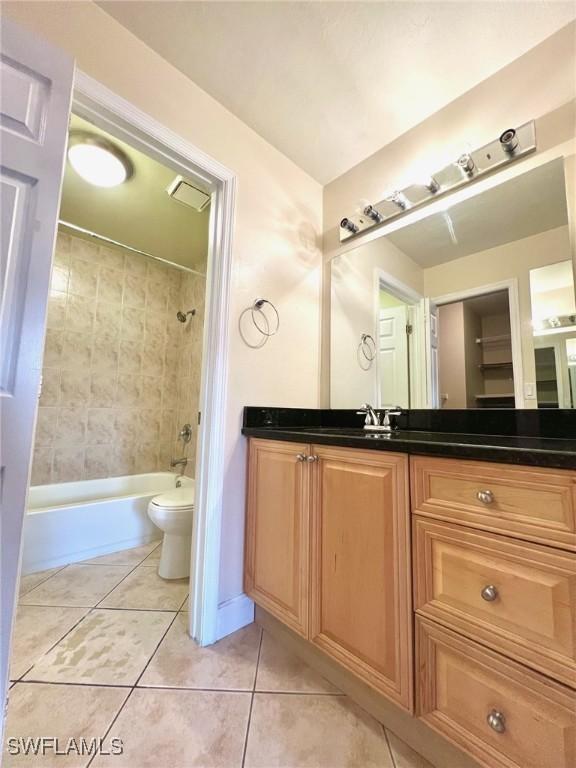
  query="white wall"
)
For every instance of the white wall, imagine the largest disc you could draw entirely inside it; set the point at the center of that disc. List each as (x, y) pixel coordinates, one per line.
(276, 237)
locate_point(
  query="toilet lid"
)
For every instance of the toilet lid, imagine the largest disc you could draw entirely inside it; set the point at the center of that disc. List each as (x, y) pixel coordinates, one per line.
(177, 498)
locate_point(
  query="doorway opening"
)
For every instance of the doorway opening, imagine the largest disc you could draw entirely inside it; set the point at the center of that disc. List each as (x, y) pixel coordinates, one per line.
(478, 350)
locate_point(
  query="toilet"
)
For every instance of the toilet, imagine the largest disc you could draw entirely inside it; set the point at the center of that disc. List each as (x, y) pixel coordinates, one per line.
(172, 512)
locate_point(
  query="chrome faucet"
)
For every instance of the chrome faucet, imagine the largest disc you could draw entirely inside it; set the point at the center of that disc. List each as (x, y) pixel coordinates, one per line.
(387, 424)
(179, 462)
(372, 418)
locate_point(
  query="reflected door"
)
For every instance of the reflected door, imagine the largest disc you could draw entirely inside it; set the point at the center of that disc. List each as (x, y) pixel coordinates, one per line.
(393, 357)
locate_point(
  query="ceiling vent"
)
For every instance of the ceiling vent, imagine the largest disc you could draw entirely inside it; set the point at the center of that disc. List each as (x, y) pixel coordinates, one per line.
(182, 191)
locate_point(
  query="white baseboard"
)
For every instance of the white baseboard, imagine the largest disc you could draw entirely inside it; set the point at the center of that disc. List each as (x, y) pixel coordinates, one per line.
(234, 614)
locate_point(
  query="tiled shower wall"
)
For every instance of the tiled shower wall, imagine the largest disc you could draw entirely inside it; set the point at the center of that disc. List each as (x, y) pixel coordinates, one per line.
(117, 379)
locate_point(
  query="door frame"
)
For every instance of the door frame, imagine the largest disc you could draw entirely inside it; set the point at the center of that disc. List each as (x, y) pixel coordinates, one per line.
(387, 282)
(511, 286)
(107, 110)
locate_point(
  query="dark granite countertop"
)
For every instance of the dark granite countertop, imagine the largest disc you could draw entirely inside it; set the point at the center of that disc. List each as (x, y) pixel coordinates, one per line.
(509, 449)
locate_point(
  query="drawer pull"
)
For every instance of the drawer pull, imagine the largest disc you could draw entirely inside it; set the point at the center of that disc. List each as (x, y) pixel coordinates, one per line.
(300, 457)
(486, 497)
(496, 721)
(310, 459)
(489, 593)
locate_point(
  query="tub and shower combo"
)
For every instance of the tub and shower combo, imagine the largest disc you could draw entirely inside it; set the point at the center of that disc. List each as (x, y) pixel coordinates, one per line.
(69, 522)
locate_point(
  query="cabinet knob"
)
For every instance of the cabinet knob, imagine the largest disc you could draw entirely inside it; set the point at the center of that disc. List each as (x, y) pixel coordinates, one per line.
(489, 593)
(301, 457)
(486, 497)
(496, 721)
(310, 459)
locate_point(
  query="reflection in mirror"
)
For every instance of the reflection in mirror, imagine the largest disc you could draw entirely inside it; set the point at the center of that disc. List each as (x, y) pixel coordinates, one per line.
(554, 323)
(470, 306)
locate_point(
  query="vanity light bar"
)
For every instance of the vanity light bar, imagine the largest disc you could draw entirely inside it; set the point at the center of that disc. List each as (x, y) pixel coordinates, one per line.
(509, 147)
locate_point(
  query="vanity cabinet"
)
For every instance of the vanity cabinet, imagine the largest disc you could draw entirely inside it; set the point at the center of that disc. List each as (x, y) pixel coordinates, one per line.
(490, 560)
(277, 561)
(360, 566)
(328, 553)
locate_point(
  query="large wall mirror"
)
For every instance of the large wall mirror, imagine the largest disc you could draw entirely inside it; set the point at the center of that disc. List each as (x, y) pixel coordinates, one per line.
(471, 306)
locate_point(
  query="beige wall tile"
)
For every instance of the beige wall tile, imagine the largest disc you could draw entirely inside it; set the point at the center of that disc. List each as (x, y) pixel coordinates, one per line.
(56, 317)
(122, 374)
(75, 386)
(50, 394)
(110, 285)
(97, 462)
(102, 388)
(80, 312)
(76, 350)
(42, 465)
(100, 428)
(46, 426)
(53, 348)
(134, 291)
(83, 277)
(112, 257)
(68, 464)
(71, 426)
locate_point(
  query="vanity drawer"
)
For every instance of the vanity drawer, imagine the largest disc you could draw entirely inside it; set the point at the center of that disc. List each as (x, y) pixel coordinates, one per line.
(526, 502)
(502, 714)
(518, 598)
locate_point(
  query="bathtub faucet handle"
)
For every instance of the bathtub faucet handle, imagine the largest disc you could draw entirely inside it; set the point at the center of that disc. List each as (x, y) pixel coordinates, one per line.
(179, 462)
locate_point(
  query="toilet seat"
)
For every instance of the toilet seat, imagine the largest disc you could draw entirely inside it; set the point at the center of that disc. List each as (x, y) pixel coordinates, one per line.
(179, 498)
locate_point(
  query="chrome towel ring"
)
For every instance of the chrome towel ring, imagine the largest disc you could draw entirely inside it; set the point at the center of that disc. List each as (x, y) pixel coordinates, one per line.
(367, 347)
(257, 309)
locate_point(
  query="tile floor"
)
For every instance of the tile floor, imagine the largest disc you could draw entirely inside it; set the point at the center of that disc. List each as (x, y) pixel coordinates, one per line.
(101, 650)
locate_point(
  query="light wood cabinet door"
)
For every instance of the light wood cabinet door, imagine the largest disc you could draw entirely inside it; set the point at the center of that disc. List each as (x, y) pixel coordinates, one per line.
(502, 713)
(526, 502)
(360, 558)
(516, 597)
(277, 553)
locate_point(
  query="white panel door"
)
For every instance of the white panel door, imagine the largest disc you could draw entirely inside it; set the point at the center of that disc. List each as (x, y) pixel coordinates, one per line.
(393, 357)
(35, 93)
(430, 313)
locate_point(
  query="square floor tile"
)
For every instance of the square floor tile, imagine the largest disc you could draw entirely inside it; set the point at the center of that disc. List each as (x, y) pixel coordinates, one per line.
(107, 647)
(154, 556)
(37, 629)
(146, 590)
(61, 711)
(404, 756)
(228, 664)
(180, 729)
(32, 580)
(309, 731)
(133, 556)
(79, 585)
(279, 670)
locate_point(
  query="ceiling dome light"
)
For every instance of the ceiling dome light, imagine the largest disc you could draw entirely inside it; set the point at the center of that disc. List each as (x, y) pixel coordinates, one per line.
(98, 161)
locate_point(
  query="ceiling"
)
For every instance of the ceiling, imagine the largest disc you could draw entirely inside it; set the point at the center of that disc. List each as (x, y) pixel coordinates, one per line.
(526, 205)
(138, 213)
(330, 83)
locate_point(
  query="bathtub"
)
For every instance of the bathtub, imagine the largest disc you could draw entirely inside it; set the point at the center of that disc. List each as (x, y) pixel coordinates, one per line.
(69, 522)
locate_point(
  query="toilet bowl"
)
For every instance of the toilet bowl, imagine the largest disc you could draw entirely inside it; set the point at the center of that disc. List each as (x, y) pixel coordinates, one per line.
(172, 513)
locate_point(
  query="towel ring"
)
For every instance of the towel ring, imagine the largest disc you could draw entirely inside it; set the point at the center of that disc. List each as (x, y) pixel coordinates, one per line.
(368, 347)
(257, 307)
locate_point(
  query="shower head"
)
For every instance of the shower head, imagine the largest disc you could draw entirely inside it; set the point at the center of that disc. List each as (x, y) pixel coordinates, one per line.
(183, 316)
